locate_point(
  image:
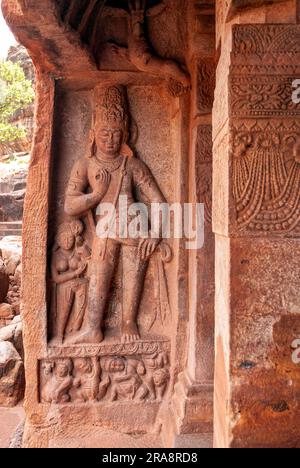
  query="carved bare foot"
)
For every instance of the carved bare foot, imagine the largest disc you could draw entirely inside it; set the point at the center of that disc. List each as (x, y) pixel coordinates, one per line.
(130, 333)
(56, 341)
(85, 336)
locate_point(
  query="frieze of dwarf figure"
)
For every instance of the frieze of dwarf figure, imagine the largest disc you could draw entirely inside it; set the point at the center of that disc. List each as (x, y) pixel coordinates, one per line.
(105, 379)
(58, 381)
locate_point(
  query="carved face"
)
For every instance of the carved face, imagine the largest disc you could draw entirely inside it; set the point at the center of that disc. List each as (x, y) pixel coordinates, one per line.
(85, 365)
(66, 240)
(117, 365)
(109, 140)
(47, 368)
(62, 370)
(160, 377)
(77, 228)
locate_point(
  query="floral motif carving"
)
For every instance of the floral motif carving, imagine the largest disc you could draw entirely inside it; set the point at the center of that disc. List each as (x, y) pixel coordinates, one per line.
(266, 39)
(262, 96)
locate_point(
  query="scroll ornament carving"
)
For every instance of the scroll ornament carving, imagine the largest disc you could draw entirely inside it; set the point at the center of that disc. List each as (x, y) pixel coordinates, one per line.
(266, 39)
(266, 178)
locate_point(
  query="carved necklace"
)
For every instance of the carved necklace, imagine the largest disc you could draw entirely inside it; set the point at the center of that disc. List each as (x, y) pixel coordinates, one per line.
(110, 166)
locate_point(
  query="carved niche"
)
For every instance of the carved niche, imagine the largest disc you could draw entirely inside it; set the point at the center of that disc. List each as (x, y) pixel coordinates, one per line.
(92, 355)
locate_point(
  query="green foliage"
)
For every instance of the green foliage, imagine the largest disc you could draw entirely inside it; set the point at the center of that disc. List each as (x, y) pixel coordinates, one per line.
(16, 93)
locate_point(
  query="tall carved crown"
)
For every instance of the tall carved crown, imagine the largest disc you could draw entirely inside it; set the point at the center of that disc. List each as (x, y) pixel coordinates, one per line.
(111, 106)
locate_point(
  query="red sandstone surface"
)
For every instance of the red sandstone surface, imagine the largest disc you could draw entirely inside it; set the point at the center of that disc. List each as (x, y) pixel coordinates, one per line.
(175, 101)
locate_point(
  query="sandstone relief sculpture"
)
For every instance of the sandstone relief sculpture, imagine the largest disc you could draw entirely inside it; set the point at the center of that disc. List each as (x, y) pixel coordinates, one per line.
(87, 371)
(126, 379)
(265, 39)
(69, 263)
(157, 374)
(266, 177)
(58, 381)
(142, 56)
(106, 379)
(82, 277)
(259, 96)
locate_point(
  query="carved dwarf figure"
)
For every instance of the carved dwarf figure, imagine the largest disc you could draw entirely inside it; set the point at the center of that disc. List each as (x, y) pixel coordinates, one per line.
(126, 381)
(161, 378)
(87, 371)
(59, 381)
(102, 177)
(69, 262)
(157, 376)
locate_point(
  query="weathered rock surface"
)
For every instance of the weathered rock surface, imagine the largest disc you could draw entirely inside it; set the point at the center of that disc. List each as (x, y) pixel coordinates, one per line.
(11, 253)
(6, 311)
(4, 281)
(13, 178)
(13, 334)
(11, 375)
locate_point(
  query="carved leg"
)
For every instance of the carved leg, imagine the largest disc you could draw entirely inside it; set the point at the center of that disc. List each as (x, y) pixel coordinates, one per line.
(134, 270)
(101, 274)
(65, 299)
(168, 68)
(79, 306)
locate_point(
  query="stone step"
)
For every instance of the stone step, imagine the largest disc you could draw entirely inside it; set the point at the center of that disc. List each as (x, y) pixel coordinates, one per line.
(13, 228)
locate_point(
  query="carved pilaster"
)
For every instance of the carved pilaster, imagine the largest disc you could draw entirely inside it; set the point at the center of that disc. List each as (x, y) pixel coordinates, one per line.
(256, 220)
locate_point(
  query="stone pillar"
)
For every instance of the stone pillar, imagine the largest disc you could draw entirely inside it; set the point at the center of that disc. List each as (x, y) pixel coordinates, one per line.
(193, 399)
(256, 215)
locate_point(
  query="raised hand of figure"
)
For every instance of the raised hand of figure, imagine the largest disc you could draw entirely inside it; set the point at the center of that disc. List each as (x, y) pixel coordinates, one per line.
(137, 10)
(101, 182)
(147, 248)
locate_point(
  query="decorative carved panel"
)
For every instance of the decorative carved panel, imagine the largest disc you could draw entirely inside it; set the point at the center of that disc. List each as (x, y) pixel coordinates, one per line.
(264, 130)
(203, 162)
(206, 80)
(108, 373)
